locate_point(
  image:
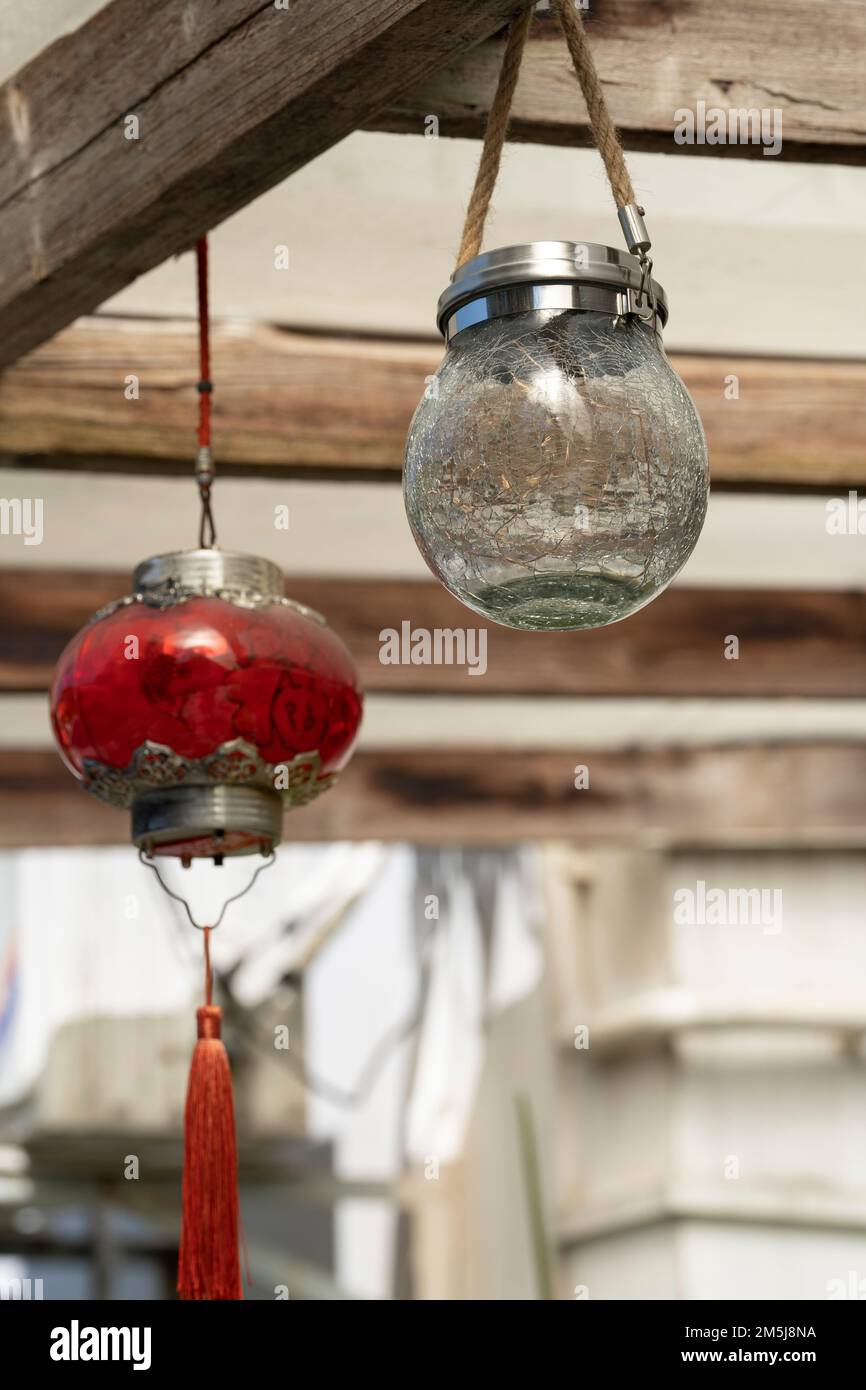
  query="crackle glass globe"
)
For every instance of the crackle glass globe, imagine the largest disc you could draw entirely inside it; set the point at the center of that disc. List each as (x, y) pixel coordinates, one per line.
(556, 469)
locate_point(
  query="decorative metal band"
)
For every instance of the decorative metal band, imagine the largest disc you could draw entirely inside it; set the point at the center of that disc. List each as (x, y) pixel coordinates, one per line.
(209, 568)
(170, 597)
(236, 763)
(247, 581)
(517, 299)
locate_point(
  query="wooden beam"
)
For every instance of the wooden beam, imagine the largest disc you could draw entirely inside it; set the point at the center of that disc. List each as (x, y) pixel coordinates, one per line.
(306, 403)
(657, 59)
(794, 794)
(281, 398)
(228, 99)
(792, 643)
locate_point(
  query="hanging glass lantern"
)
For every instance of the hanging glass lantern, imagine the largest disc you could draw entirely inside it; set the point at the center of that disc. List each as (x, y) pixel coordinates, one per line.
(206, 702)
(556, 469)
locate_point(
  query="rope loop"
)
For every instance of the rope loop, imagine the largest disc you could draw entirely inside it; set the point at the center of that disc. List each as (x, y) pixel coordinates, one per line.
(602, 128)
(494, 138)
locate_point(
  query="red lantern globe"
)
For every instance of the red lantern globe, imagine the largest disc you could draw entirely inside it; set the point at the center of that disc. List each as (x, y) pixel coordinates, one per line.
(206, 702)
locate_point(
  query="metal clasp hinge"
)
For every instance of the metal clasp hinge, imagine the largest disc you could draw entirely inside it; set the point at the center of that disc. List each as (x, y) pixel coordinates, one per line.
(646, 292)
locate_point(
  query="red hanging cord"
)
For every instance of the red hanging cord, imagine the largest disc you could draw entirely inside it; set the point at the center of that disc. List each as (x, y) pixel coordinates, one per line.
(205, 385)
(208, 969)
(204, 462)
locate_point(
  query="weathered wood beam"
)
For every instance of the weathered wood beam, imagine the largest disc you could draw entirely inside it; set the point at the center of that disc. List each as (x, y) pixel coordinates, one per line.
(792, 643)
(125, 140)
(121, 391)
(281, 399)
(658, 59)
(795, 794)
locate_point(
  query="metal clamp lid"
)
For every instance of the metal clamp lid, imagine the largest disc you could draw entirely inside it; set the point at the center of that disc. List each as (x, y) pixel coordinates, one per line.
(550, 262)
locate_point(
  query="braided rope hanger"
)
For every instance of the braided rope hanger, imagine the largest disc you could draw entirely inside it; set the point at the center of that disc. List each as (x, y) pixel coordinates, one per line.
(604, 134)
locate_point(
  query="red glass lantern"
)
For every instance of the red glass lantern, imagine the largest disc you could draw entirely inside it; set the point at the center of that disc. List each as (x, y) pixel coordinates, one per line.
(206, 702)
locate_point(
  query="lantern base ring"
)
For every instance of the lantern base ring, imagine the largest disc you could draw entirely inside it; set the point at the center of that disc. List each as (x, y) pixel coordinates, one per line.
(199, 821)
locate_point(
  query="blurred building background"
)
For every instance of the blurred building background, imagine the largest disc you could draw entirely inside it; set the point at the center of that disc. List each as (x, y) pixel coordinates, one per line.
(572, 960)
(509, 1073)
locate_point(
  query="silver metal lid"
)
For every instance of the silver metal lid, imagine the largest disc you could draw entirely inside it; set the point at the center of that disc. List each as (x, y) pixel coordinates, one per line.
(208, 572)
(545, 263)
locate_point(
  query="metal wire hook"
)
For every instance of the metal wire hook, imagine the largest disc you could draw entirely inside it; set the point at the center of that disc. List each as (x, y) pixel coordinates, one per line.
(204, 926)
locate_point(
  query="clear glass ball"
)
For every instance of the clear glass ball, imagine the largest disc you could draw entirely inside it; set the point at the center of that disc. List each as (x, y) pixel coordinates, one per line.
(556, 470)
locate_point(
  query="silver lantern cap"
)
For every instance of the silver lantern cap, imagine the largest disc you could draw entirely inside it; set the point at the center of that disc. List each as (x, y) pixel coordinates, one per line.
(247, 579)
(545, 275)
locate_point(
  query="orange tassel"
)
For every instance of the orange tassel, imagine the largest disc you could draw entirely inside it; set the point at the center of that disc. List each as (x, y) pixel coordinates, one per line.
(209, 1264)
